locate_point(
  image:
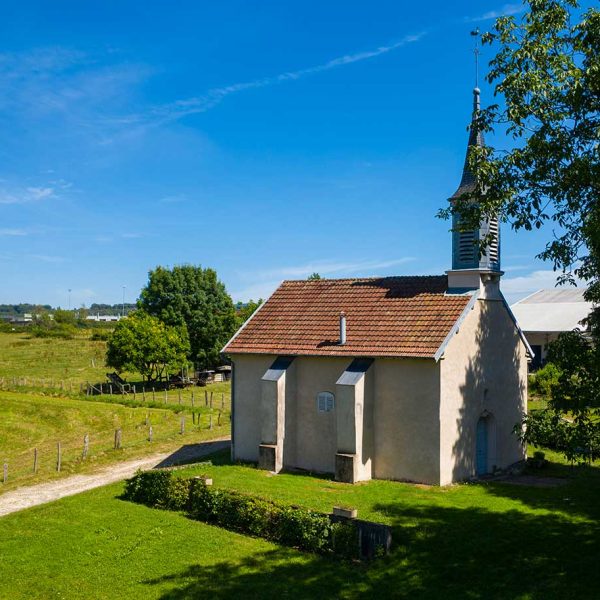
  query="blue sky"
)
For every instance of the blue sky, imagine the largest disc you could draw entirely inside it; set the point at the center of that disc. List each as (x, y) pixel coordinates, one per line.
(266, 140)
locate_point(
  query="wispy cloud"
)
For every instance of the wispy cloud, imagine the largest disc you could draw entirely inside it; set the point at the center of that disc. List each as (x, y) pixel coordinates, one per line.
(543, 278)
(25, 195)
(505, 11)
(265, 282)
(332, 268)
(13, 232)
(48, 258)
(199, 104)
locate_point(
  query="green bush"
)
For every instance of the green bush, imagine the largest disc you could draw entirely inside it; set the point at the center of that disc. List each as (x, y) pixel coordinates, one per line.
(577, 440)
(542, 381)
(100, 335)
(287, 525)
(58, 330)
(158, 489)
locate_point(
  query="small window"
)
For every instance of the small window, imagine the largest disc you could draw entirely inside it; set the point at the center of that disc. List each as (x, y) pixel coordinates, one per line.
(325, 401)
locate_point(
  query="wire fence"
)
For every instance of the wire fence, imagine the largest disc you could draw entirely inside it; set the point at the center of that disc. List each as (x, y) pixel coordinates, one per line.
(65, 454)
(214, 396)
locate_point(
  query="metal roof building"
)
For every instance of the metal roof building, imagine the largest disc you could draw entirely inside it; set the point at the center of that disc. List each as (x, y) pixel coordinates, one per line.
(546, 313)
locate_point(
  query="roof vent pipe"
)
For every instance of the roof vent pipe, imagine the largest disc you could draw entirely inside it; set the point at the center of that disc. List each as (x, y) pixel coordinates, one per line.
(342, 328)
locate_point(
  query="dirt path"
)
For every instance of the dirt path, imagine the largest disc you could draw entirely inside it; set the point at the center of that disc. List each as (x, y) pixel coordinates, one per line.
(41, 493)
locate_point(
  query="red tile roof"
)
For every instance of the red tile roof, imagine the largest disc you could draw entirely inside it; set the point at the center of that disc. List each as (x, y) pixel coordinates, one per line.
(389, 316)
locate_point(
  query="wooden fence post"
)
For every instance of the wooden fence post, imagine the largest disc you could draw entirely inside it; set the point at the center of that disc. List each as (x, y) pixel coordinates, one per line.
(35, 460)
(117, 438)
(5, 473)
(110, 388)
(166, 395)
(58, 456)
(211, 398)
(152, 393)
(210, 426)
(192, 398)
(86, 445)
(144, 393)
(222, 401)
(150, 433)
(179, 396)
(219, 419)
(182, 427)
(134, 393)
(205, 398)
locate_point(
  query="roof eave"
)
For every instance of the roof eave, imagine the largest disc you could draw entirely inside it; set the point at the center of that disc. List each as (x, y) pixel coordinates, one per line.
(468, 308)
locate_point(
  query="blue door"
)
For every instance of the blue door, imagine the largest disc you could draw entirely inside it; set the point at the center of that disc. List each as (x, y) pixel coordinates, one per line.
(482, 447)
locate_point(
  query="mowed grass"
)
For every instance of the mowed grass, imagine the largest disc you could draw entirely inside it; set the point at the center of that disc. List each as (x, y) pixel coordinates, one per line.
(489, 540)
(29, 421)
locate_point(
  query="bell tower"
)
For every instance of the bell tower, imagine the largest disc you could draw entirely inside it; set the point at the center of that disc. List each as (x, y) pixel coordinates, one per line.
(471, 269)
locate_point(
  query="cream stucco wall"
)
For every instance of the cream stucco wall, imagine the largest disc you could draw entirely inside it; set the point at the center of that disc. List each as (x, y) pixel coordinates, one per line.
(247, 391)
(406, 420)
(315, 432)
(309, 440)
(483, 372)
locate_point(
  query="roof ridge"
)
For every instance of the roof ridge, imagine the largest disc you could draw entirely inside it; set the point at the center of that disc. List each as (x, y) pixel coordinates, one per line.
(371, 278)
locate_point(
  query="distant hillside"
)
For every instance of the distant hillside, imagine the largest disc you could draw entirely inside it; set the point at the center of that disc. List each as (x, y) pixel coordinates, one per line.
(18, 310)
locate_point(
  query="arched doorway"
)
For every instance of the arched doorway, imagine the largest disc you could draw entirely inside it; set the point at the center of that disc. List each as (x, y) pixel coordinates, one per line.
(482, 445)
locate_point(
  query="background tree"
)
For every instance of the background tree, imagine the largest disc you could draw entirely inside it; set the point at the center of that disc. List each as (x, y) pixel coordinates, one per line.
(192, 297)
(145, 344)
(244, 311)
(313, 276)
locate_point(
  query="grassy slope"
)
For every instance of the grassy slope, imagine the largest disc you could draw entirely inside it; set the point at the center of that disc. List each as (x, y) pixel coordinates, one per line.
(69, 360)
(480, 541)
(30, 421)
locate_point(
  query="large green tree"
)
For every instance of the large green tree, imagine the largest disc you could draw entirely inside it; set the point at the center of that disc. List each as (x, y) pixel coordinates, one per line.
(192, 297)
(546, 72)
(145, 344)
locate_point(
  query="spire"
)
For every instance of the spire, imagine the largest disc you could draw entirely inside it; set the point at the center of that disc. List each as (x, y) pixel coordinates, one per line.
(467, 182)
(465, 243)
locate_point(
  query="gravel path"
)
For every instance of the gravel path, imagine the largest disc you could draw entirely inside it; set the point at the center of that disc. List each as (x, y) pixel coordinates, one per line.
(41, 493)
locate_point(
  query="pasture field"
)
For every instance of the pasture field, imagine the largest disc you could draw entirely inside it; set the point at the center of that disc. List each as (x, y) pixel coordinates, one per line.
(29, 421)
(77, 360)
(485, 540)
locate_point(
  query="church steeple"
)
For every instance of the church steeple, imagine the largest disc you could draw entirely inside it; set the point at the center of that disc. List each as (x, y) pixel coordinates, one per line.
(465, 244)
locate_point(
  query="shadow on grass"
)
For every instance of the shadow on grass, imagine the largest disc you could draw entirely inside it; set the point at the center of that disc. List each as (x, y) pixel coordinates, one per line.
(579, 497)
(215, 451)
(439, 552)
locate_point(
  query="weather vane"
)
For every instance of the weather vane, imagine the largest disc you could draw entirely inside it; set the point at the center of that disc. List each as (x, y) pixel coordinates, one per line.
(475, 34)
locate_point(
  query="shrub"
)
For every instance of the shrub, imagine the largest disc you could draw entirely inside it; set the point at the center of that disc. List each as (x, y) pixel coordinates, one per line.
(63, 331)
(100, 335)
(577, 440)
(542, 381)
(158, 489)
(291, 526)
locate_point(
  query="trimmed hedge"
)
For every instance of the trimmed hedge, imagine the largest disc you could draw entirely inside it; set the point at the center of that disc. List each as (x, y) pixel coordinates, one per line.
(288, 525)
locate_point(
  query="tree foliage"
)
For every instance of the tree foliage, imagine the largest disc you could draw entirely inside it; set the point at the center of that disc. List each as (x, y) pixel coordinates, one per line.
(547, 71)
(245, 311)
(192, 297)
(145, 344)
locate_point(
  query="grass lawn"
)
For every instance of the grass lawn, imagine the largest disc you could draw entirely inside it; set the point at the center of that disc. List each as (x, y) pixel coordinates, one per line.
(29, 421)
(492, 540)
